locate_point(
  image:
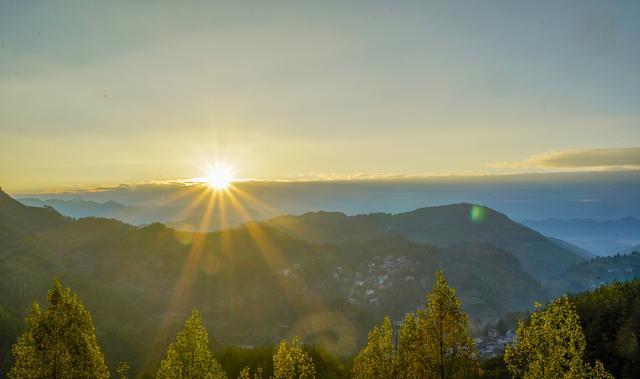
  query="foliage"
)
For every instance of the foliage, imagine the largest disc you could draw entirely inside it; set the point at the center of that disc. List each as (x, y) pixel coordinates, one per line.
(440, 346)
(292, 362)
(610, 319)
(189, 356)
(376, 359)
(59, 342)
(597, 271)
(326, 363)
(10, 329)
(434, 343)
(113, 266)
(123, 369)
(407, 355)
(246, 373)
(551, 345)
(234, 359)
(440, 225)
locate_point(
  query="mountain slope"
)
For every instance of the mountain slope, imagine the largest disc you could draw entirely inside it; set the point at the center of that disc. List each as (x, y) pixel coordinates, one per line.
(21, 219)
(598, 271)
(253, 284)
(442, 226)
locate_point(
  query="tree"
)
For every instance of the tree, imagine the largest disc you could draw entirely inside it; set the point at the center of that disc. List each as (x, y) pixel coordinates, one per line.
(551, 345)
(435, 342)
(246, 373)
(123, 370)
(59, 342)
(189, 356)
(377, 358)
(291, 362)
(411, 365)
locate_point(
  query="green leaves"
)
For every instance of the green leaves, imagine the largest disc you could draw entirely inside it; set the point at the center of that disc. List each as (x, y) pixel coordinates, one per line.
(59, 342)
(376, 359)
(291, 362)
(246, 373)
(434, 343)
(551, 345)
(189, 356)
(440, 345)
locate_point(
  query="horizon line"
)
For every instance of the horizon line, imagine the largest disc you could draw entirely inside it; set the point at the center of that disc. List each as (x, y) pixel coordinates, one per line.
(317, 178)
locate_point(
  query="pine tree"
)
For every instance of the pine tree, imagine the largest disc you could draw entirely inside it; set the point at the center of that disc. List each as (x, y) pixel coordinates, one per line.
(59, 342)
(291, 362)
(377, 358)
(189, 356)
(434, 342)
(551, 345)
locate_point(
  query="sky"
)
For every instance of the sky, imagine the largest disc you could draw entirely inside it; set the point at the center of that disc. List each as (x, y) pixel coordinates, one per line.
(101, 93)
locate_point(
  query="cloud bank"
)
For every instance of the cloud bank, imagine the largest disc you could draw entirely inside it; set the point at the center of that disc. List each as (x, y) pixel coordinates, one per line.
(579, 159)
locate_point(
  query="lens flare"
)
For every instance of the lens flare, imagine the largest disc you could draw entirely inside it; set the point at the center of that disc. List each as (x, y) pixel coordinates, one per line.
(477, 213)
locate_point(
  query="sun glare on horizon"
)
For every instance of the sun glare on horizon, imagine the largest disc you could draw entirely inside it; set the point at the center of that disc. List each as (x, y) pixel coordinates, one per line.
(219, 177)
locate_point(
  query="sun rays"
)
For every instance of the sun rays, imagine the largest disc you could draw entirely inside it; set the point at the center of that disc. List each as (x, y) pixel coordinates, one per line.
(213, 198)
(213, 204)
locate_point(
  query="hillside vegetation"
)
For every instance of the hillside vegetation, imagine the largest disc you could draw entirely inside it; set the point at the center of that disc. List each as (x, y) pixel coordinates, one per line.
(253, 285)
(441, 226)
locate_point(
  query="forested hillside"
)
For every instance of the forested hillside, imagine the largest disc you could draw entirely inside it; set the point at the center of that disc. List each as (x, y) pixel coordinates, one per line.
(253, 284)
(609, 317)
(441, 226)
(598, 271)
(323, 276)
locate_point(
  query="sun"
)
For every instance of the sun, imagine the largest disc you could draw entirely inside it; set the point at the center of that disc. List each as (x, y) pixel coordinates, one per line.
(219, 177)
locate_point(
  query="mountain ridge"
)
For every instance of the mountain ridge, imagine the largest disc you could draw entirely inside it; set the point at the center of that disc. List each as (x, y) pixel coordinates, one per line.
(254, 283)
(442, 226)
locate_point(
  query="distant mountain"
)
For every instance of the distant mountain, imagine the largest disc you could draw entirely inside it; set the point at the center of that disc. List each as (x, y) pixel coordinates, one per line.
(253, 284)
(441, 226)
(604, 237)
(173, 216)
(521, 196)
(598, 271)
(76, 207)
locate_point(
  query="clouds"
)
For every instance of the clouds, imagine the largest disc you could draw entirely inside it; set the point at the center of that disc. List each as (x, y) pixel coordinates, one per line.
(103, 93)
(579, 159)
